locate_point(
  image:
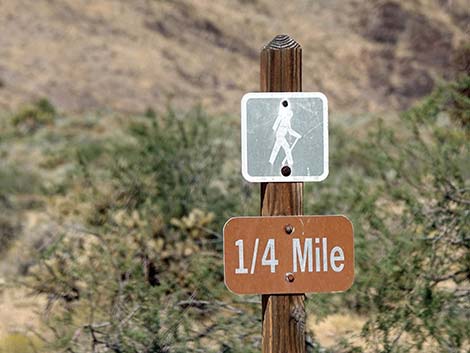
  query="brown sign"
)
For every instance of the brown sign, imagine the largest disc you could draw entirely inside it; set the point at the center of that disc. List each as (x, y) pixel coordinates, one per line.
(292, 254)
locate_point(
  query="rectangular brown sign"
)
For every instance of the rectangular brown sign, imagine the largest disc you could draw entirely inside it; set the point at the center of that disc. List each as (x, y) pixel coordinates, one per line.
(291, 254)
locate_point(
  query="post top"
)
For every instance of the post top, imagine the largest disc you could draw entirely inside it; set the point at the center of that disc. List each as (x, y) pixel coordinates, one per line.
(282, 41)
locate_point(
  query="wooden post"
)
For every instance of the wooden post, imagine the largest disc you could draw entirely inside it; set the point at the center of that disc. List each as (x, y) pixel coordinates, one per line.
(283, 315)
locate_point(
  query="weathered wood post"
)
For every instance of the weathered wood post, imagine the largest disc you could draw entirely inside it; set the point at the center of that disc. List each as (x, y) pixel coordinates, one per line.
(283, 315)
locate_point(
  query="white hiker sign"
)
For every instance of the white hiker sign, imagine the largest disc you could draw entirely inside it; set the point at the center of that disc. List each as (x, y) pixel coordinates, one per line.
(284, 136)
(282, 128)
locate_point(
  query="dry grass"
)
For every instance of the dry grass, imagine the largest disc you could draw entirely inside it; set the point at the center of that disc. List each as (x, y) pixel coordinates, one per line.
(18, 313)
(328, 331)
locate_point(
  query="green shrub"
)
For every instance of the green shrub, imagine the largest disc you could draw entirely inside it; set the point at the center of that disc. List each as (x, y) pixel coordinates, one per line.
(18, 181)
(144, 272)
(9, 230)
(33, 117)
(407, 190)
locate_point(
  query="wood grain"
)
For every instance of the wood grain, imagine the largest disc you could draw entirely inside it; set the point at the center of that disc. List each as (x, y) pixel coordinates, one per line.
(283, 315)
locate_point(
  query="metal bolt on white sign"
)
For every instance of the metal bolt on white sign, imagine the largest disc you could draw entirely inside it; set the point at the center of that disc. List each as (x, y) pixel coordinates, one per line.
(284, 136)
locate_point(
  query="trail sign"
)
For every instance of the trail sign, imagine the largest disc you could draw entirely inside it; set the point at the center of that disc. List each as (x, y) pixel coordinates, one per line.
(288, 254)
(284, 136)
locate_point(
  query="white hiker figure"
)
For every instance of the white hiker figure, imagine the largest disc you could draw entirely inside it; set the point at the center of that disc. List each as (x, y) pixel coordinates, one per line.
(283, 128)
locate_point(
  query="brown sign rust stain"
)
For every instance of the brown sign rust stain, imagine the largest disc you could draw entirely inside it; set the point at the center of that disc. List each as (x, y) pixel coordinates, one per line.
(293, 254)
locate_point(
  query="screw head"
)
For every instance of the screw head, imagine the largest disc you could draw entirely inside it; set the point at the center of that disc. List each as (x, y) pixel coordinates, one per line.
(286, 171)
(290, 277)
(289, 229)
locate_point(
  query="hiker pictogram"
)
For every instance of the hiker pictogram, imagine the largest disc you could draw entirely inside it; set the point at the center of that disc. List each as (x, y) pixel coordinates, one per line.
(283, 129)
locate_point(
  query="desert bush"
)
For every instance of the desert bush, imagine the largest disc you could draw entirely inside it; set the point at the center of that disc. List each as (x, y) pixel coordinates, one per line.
(34, 116)
(9, 229)
(14, 182)
(406, 188)
(143, 271)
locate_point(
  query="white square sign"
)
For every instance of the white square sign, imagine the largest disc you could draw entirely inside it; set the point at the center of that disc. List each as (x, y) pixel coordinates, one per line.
(284, 136)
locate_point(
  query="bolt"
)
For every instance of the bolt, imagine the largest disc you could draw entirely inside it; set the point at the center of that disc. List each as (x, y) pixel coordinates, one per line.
(290, 277)
(285, 171)
(289, 229)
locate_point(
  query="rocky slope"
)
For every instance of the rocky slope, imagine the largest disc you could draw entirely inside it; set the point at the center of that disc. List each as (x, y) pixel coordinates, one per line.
(83, 55)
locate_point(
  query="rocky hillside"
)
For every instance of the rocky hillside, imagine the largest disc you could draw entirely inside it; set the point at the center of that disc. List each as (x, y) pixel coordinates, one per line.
(83, 55)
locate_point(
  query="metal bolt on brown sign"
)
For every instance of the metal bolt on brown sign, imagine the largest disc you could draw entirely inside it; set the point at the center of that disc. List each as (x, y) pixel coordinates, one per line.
(288, 254)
